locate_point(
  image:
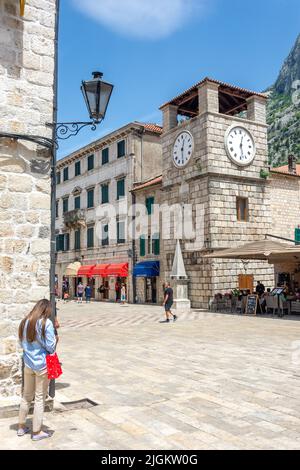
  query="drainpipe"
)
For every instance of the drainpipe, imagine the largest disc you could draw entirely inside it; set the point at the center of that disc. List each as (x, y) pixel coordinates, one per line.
(53, 187)
(133, 199)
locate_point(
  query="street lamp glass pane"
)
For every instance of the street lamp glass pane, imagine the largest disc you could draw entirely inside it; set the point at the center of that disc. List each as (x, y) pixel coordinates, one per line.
(106, 90)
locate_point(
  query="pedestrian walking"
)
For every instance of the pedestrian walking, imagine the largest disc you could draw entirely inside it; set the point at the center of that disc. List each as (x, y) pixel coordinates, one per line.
(123, 294)
(168, 302)
(37, 337)
(80, 291)
(88, 293)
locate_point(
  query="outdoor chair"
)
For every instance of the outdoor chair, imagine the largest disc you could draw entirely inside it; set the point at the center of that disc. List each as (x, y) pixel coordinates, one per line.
(272, 304)
(295, 307)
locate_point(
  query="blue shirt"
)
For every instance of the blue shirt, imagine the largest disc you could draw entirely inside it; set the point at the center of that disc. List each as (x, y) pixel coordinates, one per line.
(35, 353)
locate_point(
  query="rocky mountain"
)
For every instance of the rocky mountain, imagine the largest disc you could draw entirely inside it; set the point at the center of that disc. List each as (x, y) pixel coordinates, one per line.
(284, 110)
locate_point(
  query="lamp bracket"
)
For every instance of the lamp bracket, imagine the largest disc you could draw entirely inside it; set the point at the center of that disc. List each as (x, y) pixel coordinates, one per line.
(65, 130)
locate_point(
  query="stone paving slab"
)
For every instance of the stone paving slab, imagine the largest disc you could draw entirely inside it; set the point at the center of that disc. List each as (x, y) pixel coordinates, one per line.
(205, 382)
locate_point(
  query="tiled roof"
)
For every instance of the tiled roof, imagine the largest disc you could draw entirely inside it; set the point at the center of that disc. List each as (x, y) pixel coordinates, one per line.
(150, 127)
(148, 184)
(284, 170)
(218, 82)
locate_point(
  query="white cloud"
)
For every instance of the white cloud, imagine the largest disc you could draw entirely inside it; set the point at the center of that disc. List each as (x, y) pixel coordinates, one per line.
(149, 19)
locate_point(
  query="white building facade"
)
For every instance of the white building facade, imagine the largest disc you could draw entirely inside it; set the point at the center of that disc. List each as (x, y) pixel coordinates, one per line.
(93, 205)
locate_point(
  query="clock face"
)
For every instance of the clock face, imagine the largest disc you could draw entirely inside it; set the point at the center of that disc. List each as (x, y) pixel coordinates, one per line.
(183, 149)
(240, 145)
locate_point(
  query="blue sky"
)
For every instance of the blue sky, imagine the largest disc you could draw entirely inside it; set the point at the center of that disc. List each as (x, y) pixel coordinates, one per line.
(153, 50)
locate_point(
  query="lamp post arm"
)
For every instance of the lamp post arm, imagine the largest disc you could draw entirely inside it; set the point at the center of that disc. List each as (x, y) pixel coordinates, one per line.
(65, 130)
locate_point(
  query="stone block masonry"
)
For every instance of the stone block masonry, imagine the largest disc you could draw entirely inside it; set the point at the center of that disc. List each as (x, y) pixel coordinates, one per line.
(26, 76)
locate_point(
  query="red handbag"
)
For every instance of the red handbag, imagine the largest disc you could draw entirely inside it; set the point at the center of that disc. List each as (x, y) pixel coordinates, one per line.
(54, 369)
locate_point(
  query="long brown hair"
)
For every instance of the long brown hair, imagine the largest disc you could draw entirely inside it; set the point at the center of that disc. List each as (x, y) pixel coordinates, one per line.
(41, 311)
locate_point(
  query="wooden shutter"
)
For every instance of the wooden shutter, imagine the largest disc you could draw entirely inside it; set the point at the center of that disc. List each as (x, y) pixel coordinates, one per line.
(143, 245)
(246, 282)
(149, 204)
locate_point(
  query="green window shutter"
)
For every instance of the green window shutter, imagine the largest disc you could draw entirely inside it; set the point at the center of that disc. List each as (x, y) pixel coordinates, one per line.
(149, 204)
(90, 237)
(57, 209)
(105, 156)
(143, 245)
(77, 203)
(65, 205)
(121, 149)
(156, 244)
(120, 188)
(90, 201)
(58, 177)
(297, 236)
(66, 174)
(77, 240)
(60, 243)
(105, 193)
(90, 162)
(77, 168)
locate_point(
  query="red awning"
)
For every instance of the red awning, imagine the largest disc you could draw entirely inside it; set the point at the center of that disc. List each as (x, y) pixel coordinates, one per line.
(100, 270)
(86, 271)
(120, 270)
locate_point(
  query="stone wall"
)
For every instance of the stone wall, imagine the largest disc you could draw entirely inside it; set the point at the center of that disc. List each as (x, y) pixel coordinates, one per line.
(285, 205)
(26, 75)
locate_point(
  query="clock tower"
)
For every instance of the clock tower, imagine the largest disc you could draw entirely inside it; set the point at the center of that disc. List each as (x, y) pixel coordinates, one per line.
(214, 150)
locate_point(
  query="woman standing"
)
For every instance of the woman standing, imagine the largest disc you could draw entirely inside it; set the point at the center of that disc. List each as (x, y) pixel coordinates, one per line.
(37, 337)
(123, 294)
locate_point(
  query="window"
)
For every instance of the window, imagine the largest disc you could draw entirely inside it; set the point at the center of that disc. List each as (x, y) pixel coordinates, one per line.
(90, 162)
(58, 177)
(77, 202)
(155, 244)
(105, 235)
(121, 232)
(66, 174)
(242, 209)
(77, 240)
(90, 237)
(143, 245)
(63, 242)
(59, 243)
(77, 168)
(121, 149)
(90, 198)
(105, 193)
(57, 209)
(120, 188)
(67, 242)
(65, 205)
(149, 204)
(105, 156)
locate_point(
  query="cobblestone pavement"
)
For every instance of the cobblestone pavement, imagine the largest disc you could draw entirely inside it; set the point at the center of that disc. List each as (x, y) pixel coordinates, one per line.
(206, 382)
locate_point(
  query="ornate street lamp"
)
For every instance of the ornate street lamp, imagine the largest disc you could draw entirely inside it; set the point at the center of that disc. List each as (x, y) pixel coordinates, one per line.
(97, 95)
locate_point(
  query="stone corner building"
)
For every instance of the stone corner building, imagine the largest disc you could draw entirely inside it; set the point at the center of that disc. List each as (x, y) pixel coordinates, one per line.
(26, 77)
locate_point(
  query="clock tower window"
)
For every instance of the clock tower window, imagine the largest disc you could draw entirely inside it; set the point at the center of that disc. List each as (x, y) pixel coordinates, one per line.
(242, 209)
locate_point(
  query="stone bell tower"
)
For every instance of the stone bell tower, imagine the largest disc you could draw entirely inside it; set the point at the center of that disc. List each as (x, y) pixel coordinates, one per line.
(27, 76)
(214, 146)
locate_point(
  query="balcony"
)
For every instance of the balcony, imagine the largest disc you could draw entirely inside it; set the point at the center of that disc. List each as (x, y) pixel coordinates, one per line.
(75, 219)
